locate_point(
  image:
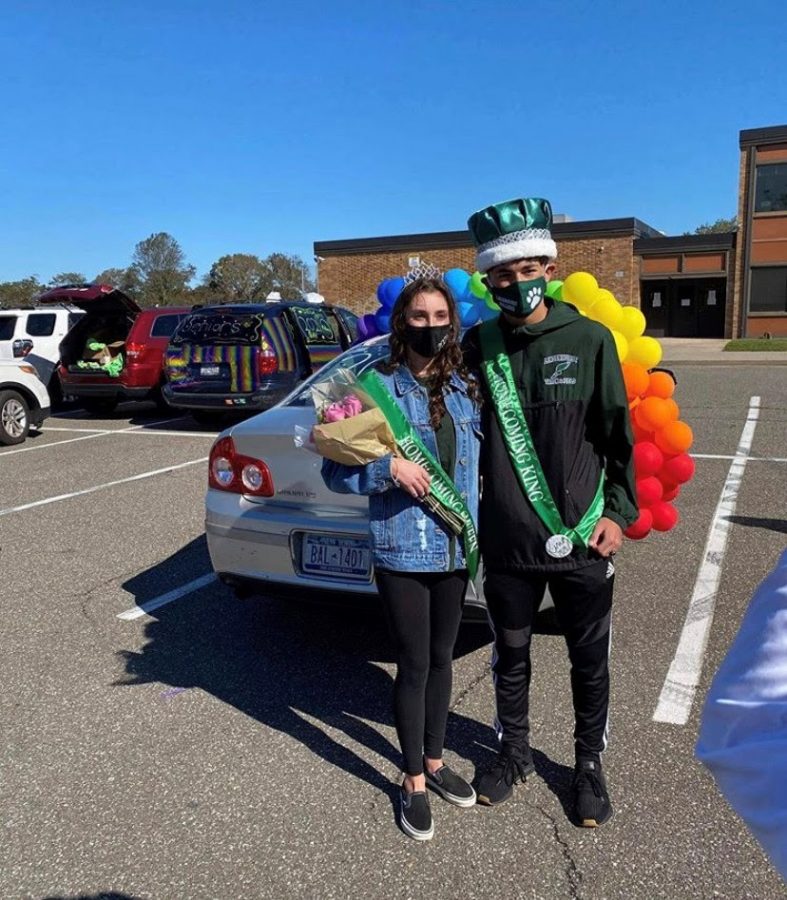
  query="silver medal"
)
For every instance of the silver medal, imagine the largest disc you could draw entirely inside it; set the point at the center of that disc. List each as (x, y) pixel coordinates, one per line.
(559, 546)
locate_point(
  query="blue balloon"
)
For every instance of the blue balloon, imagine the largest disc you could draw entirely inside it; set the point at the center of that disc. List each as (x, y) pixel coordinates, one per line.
(487, 312)
(458, 282)
(469, 314)
(388, 290)
(382, 319)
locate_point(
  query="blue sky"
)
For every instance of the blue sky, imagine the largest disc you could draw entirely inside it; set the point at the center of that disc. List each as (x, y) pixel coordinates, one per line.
(242, 126)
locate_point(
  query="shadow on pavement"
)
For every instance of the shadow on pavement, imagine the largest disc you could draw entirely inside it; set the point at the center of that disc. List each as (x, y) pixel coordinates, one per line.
(103, 895)
(779, 525)
(308, 670)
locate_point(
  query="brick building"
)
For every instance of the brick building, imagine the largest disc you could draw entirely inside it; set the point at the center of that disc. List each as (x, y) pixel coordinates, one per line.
(717, 285)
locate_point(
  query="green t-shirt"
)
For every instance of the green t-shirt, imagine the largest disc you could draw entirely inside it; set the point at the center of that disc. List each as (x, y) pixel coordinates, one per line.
(445, 435)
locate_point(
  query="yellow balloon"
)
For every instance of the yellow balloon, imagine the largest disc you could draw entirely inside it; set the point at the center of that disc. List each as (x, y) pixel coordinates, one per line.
(621, 345)
(646, 351)
(606, 310)
(632, 323)
(580, 289)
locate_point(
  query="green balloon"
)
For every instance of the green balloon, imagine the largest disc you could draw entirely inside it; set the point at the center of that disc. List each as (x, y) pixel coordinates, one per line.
(555, 290)
(477, 286)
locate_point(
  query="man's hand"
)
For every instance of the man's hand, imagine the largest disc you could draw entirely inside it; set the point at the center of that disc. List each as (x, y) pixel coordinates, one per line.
(607, 537)
(411, 477)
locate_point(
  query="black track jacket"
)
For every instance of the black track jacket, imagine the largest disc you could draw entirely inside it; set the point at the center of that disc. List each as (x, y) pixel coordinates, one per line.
(571, 389)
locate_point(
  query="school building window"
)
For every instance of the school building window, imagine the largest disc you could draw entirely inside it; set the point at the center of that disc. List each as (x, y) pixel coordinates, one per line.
(769, 289)
(771, 189)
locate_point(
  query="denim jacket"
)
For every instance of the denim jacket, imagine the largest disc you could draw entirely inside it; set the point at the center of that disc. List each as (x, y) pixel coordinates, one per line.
(406, 536)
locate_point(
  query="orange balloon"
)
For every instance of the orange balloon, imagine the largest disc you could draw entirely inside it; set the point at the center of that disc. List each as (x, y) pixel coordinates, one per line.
(674, 409)
(653, 413)
(674, 438)
(636, 379)
(661, 384)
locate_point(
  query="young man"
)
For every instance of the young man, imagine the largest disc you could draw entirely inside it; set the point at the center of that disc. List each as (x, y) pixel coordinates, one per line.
(558, 490)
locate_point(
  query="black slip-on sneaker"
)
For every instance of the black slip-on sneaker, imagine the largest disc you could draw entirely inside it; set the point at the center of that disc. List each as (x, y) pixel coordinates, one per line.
(415, 817)
(591, 798)
(497, 784)
(451, 787)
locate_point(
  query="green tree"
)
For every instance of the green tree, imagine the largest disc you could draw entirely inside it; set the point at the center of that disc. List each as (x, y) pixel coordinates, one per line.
(126, 280)
(63, 278)
(164, 274)
(289, 275)
(720, 226)
(239, 276)
(20, 293)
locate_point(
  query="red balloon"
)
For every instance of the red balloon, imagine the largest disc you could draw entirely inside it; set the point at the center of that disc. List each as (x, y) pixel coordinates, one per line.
(679, 469)
(665, 516)
(640, 434)
(649, 491)
(671, 491)
(648, 459)
(640, 528)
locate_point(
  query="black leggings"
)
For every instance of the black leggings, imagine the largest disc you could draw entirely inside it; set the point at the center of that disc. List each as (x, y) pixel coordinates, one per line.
(423, 610)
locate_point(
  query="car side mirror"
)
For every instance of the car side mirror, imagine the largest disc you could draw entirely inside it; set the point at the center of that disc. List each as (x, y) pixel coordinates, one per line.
(22, 347)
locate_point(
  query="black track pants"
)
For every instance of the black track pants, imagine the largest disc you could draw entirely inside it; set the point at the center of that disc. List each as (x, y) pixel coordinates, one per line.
(583, 605)
(423, 610)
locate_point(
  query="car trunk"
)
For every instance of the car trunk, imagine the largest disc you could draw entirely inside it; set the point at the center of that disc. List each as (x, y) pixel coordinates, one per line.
(226, 352)
(95, 348)
(295, 471)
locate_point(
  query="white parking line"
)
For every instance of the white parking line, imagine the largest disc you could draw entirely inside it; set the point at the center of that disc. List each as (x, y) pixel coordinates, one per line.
(132, 429)
(126, 431)
(175, 594)
(677, 694)
(101, 487)
(748, 458)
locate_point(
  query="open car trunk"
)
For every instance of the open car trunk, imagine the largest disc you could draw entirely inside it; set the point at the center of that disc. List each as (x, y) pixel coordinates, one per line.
(96, 344)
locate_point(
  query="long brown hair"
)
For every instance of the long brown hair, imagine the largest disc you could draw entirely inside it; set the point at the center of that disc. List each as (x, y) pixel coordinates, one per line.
(449, 358)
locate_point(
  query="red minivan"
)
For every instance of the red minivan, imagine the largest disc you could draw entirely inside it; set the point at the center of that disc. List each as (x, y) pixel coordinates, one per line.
(116, 350)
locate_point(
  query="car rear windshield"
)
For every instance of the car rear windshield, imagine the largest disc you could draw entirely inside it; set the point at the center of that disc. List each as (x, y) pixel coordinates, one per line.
(220, 328)
(357, 359)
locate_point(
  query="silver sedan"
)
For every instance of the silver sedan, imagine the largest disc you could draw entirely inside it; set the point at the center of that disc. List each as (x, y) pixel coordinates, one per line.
(270, 519)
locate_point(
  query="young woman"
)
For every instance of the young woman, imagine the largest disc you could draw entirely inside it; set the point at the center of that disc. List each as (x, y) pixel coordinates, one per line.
(420, 563)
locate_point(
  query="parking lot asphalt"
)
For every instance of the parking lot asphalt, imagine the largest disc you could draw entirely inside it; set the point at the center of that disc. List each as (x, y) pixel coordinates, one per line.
(227, 748)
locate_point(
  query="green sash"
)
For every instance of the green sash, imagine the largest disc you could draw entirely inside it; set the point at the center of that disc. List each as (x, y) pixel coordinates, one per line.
(497, 371)
(447, 501)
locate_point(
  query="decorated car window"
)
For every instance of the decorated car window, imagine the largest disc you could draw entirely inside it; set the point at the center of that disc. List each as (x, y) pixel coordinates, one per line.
(357, 359)
(220, 328)
(316, 326)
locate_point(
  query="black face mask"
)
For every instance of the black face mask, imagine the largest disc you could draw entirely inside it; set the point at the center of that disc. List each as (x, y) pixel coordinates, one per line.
(426, 341)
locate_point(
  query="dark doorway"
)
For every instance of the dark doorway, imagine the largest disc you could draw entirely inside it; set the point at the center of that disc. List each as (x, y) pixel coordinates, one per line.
(685, 307)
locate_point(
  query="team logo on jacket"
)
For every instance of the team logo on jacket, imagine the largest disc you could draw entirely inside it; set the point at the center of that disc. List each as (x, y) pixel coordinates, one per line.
(565, 369)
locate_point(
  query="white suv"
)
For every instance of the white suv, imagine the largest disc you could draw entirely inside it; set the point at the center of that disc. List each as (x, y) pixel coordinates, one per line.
(24, 401)
(34, 335)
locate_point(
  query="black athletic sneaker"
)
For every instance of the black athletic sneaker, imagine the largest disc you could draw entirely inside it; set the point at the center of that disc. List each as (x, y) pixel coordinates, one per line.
(450, 786)
(415, 816)
(497, 783)
(591, 800)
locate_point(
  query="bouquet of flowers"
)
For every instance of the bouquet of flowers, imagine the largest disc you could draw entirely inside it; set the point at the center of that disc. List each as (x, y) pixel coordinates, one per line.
(352, 430)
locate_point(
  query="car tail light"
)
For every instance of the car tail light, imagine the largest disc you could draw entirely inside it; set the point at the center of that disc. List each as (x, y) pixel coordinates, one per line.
(238, 474)
(133, 351)
(267, 362)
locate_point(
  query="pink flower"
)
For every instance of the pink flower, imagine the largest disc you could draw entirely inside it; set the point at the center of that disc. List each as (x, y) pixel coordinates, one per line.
(334, 413)
(352, 406)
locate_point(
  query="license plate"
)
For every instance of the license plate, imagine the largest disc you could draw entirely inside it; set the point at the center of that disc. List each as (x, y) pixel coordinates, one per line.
(336, 557)
(209, 371)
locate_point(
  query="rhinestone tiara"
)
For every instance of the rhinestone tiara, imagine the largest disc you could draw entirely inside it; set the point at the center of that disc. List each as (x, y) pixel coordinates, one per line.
(423, 270)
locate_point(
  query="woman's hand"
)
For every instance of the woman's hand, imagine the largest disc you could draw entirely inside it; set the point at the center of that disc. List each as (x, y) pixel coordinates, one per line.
(410, 476)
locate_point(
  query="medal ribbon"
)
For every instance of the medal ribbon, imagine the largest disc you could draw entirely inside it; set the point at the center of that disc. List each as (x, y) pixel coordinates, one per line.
(500, 378)
(410, 445)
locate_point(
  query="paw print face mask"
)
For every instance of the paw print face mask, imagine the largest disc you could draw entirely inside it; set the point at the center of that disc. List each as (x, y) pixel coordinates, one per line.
(522, 297)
